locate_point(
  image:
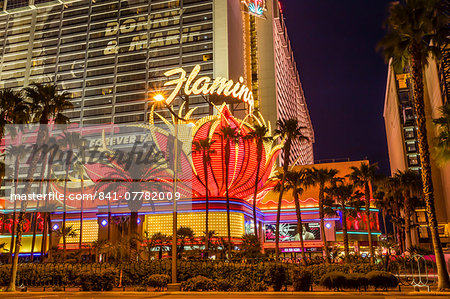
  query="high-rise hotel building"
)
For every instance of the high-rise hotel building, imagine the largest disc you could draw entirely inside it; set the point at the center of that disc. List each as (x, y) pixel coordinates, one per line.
(111, 55)
(401, 133)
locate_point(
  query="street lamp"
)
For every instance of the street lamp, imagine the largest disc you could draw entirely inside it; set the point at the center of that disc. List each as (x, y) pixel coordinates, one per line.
(161, 98)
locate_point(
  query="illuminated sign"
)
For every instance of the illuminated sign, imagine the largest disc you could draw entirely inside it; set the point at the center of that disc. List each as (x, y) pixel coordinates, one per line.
(255, 7)
(289, 232)
(205, 85)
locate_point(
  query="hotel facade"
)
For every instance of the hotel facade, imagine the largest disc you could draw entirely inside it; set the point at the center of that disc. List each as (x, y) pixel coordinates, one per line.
(114, 56)
(402, 141)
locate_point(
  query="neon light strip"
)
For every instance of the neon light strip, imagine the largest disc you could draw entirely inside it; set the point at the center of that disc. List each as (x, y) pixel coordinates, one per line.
(358, 233)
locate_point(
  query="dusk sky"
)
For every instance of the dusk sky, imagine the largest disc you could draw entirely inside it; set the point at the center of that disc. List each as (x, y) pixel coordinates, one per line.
(342, 74)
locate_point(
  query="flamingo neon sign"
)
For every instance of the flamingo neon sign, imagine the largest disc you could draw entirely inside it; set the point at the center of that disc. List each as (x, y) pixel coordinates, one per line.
(255, 7)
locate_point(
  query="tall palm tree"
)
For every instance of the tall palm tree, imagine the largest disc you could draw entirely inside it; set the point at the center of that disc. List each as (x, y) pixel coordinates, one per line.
(322, 177)
(230, 136)
(18, 151)
(47, 103)
(410, 185)
(260, 135)
(14, 109)
(296, 181)
(382, 203)
(68, 141)
(290, 130)
(416, 30)
(80, 171)
(363, 176)
(347, 200)
(443, 139)
(203, 147)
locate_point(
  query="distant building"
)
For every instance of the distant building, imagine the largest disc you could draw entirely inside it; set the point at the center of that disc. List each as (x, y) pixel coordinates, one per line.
(401, 136)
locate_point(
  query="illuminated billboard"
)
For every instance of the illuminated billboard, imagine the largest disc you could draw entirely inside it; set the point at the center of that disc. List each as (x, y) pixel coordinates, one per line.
(289, 232)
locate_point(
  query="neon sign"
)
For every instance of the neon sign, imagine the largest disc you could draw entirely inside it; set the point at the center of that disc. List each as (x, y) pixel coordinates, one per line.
(205, 85)
(255, 7)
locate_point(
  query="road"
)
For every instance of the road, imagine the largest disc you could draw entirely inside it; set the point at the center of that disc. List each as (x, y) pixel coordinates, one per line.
(271, 295)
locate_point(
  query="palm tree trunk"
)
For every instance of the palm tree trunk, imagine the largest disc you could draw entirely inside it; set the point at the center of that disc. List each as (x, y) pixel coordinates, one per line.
(64, 213)
(205, 169)
(81, 215)
(344, 232)
(227, 165)
(407, 224)
(369, 229)
(27, 188)
(427, 183)
(322, 222)
(287, 151)
(383, 214)
(299, 223)
(13, 227)
(50, 236)
(35, 214)
(255, 194)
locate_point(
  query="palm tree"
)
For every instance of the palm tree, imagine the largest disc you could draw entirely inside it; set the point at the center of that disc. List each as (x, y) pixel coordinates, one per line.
(363, 176)
(47, 229)
(67, 143)
(346, 200)
(321, 177)
(80, 171)
(46, 103)
(229, 136)
(416, 29)
(18, 151)
(443, 139)
(296, 181)
(382, 203)
(186, 235)
(13, 109)
(159, 241)
(260, 135)
(410, 185)
(203, 147)
(290, 130)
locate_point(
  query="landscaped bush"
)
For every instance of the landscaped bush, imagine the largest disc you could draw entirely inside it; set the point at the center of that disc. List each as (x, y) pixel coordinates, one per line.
(158, 281)
(198, 283)
(247, 283)
(380, 279)
(302, 280)
(356, 281)
(99, 280)
(223, 285)
(278, 277)
(334, 280)
(5, 272)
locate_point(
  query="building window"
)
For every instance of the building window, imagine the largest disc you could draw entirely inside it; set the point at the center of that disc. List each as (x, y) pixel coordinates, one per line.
(409, 134)
(411, 147)
(413, 160)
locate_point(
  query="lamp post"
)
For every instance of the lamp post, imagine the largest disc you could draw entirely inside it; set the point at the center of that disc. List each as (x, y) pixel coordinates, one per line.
(160, 98)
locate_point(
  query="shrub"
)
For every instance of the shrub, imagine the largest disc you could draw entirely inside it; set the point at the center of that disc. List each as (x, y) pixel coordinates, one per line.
(302, 280)
(247, 283)
(277, 276)
(223, 285)
(5, 272)
(333, 280)
(158, 281)
(380, 279)
(357, 281)
(98, 280)
(198, 283)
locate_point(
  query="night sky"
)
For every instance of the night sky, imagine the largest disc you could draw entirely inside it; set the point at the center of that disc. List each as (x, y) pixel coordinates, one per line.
(342, 74)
